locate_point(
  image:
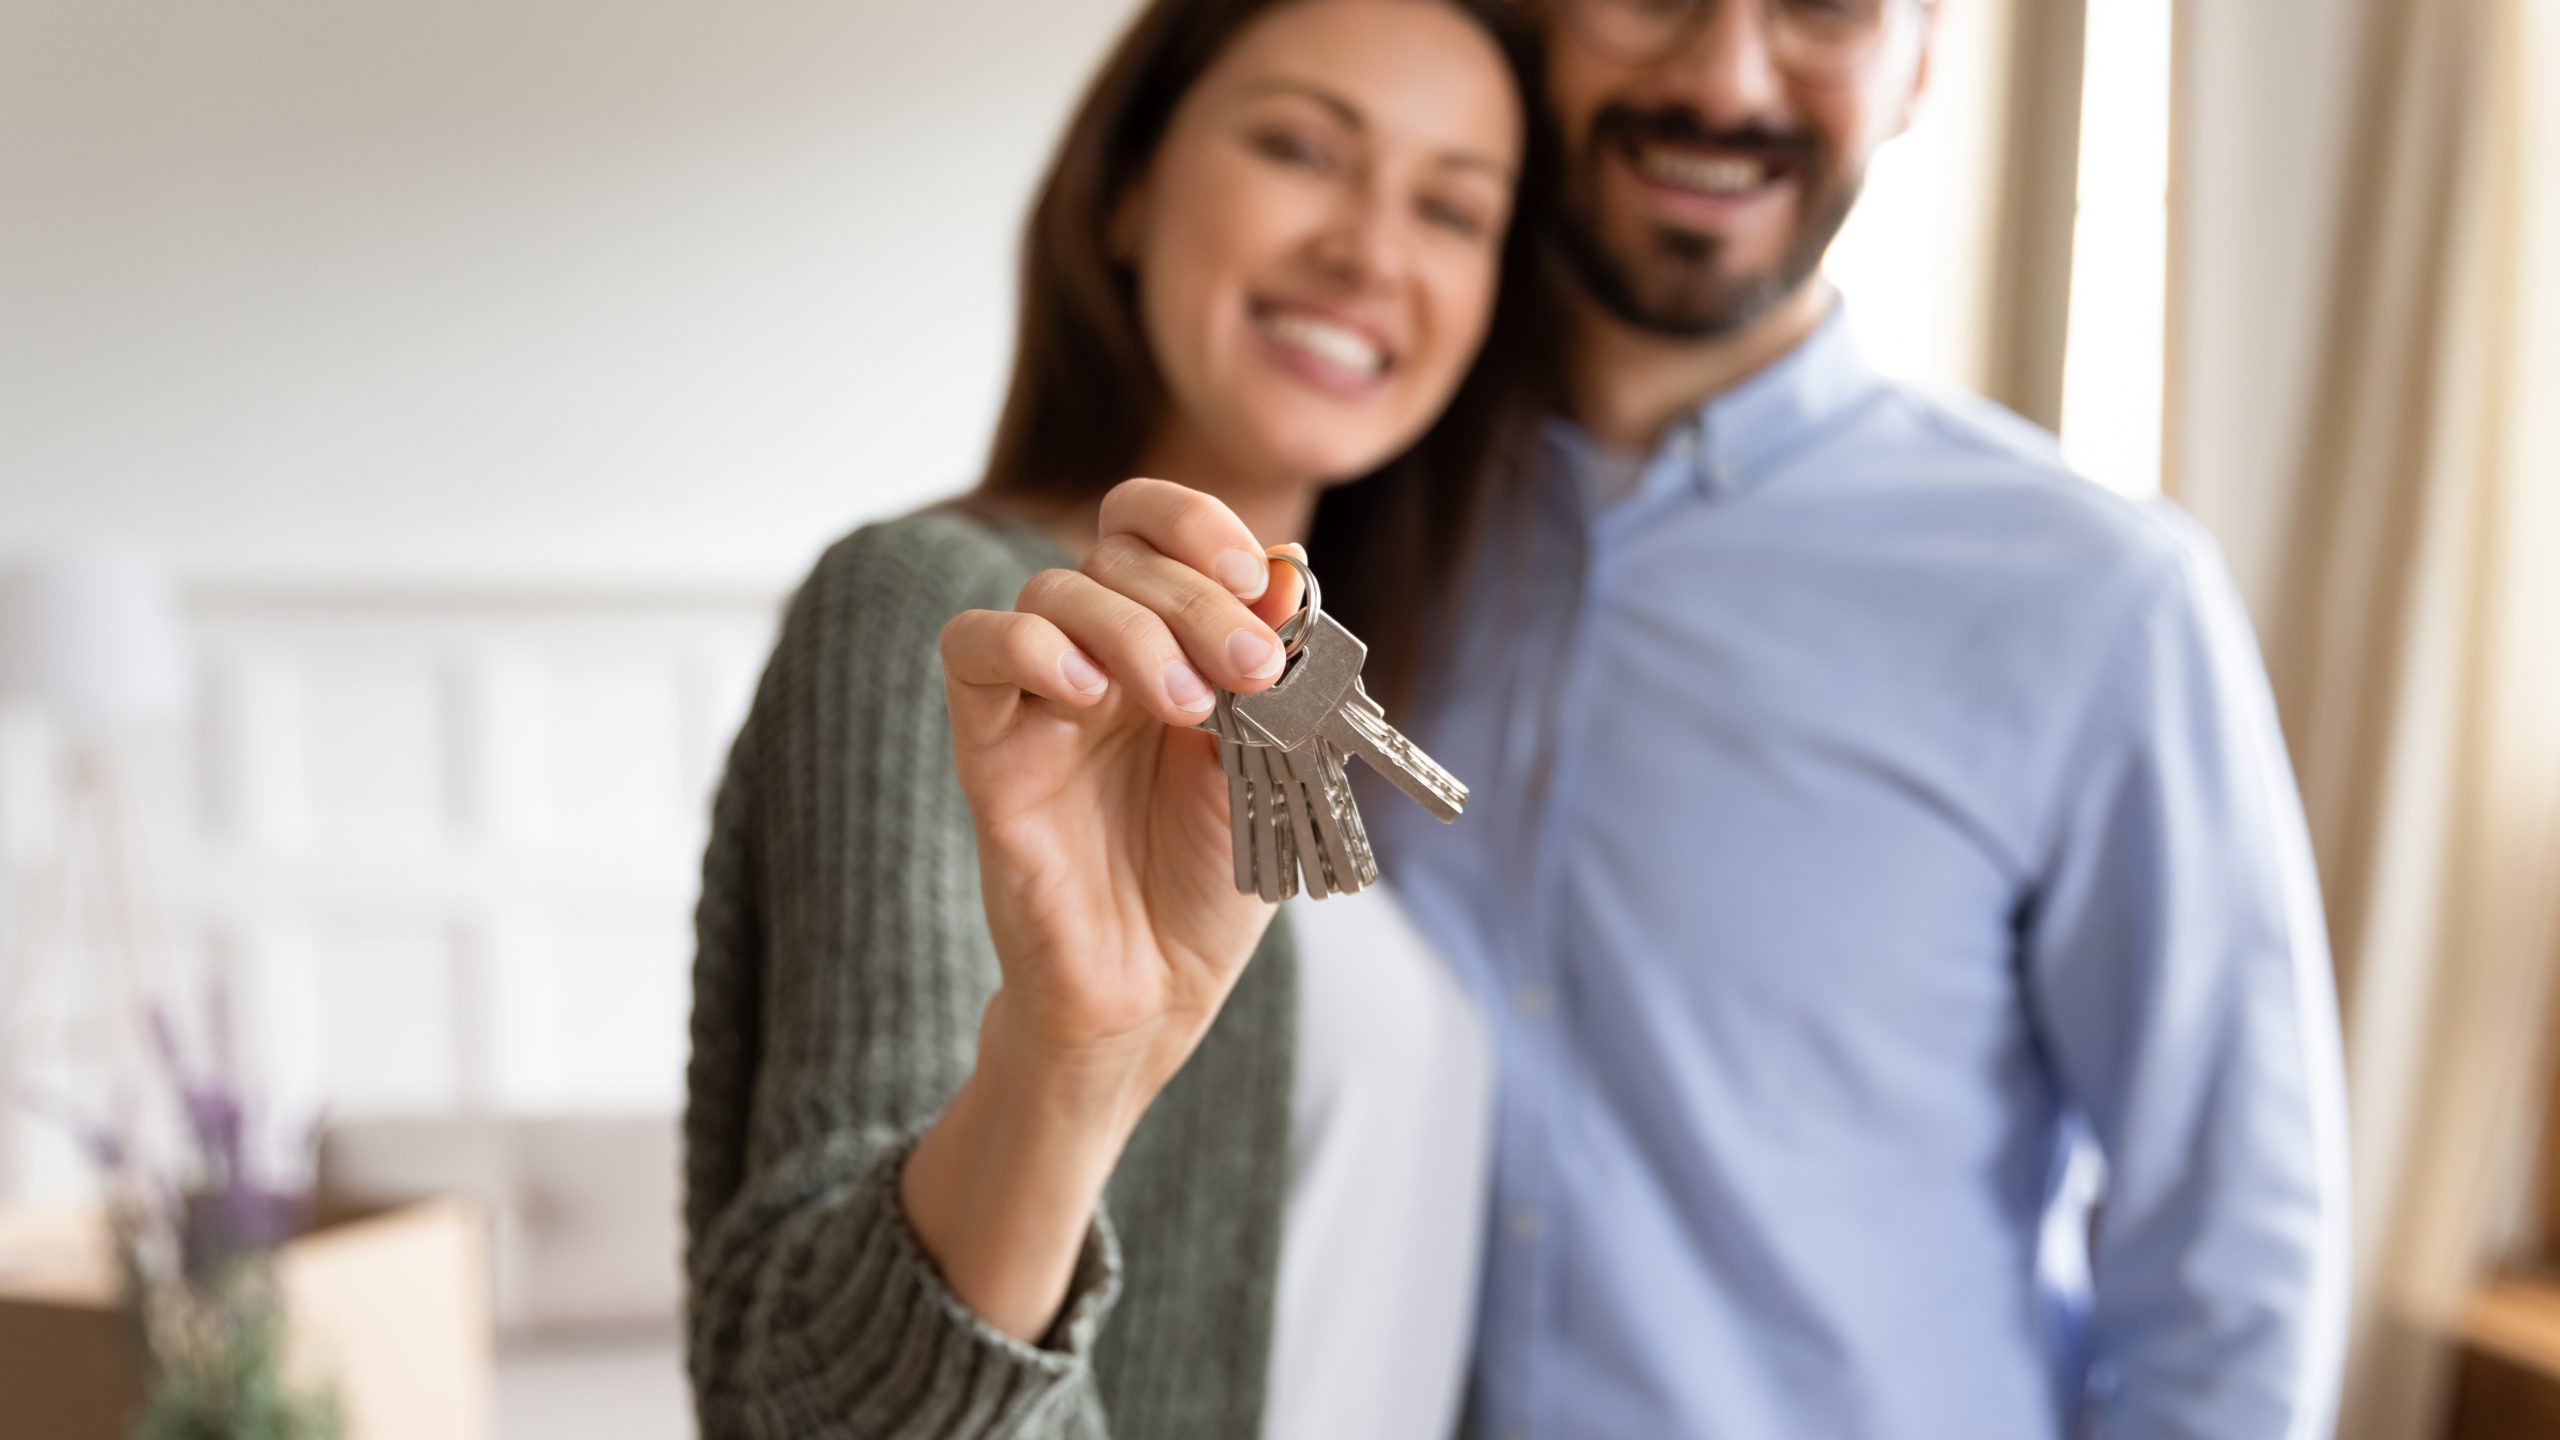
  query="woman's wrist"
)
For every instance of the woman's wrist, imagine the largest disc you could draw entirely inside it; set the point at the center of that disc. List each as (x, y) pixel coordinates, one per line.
(1090, 1092)
(1002, 1189)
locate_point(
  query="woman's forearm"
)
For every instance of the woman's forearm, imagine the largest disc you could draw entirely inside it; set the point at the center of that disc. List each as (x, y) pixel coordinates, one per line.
(1002, 1189)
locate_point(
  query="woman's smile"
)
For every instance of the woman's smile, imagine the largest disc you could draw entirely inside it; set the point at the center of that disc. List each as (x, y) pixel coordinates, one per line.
(1335, 352)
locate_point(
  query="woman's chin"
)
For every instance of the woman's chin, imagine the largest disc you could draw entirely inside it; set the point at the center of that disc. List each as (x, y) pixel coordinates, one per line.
(1326, 467)
(1326, 449)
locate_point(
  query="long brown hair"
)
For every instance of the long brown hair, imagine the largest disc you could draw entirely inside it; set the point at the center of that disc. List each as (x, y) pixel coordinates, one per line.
(1085, 397)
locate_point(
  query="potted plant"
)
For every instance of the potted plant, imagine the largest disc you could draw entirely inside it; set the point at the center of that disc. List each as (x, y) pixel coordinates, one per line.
(197, 1237)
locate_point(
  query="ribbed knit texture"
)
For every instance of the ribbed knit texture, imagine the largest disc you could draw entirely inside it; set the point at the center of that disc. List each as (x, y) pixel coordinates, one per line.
(843, 964)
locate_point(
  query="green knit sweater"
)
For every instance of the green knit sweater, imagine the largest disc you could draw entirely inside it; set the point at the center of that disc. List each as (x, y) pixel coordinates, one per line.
(843, 963)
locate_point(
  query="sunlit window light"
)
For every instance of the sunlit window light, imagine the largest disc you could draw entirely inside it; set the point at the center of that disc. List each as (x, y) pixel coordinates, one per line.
(2112, 364)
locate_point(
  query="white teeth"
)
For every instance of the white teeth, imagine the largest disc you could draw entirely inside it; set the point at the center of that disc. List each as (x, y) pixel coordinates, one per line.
(1334, 344)
(1710, 174)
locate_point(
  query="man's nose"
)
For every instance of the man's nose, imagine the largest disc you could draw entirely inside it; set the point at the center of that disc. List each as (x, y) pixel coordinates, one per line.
(1727, 69)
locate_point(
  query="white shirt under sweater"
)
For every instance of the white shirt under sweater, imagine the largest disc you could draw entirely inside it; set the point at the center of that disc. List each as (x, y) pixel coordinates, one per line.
(1390, 1120)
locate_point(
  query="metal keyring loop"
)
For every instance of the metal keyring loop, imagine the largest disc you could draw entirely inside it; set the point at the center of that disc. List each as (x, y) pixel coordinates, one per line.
(1293, 631)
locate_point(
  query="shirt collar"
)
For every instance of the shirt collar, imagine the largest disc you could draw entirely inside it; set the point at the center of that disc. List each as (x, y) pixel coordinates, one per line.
(1736, 438)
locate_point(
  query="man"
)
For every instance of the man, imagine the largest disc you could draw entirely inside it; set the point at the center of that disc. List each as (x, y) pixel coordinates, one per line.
(1869, 817)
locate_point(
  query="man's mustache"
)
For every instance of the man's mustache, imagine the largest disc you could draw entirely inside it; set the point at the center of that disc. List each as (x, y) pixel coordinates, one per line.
(1678, 125)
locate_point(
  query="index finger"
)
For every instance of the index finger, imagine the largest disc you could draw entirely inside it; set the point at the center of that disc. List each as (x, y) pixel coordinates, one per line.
(1199, 530)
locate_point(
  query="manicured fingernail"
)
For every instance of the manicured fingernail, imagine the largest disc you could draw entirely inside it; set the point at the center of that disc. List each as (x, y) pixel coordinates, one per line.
(1083, 676)
(1184, 684)
(1254, 654)
(1244, 572)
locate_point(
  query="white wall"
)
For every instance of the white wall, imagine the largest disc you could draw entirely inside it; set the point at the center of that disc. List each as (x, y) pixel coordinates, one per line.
(627, 290)
(559, 290)
(441, 847)
(489, 368)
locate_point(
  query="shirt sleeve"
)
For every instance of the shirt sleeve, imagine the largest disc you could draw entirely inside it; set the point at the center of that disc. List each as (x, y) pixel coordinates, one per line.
(2179, 972)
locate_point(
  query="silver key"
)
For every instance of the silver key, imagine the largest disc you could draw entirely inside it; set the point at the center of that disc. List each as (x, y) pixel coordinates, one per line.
(1266, 858)
(1276, 855)
(1288, 797)
(1320, 698)
(1240, 810)
(1361, 729)
(1333, 846)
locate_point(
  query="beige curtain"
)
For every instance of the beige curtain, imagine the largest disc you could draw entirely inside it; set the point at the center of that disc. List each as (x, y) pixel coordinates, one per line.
(2364, 369)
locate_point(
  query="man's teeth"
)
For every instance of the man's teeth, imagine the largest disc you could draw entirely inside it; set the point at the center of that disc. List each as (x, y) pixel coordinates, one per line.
(1709, 174)
(1337, 345)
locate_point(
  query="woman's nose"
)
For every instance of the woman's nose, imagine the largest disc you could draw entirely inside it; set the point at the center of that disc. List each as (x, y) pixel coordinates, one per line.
(1362, 243)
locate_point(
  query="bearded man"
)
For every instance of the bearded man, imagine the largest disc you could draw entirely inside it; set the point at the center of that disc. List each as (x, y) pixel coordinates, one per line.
(1875, 827)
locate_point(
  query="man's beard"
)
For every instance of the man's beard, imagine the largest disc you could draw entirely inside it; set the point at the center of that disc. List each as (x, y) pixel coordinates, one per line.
(1676, 284)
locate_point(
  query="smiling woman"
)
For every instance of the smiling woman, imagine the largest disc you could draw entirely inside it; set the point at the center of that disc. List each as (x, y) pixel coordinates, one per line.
(970, 948)
(1194, 229)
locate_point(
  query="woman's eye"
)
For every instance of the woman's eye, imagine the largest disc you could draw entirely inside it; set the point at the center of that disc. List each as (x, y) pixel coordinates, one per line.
(1456, 218)
(1291, 149)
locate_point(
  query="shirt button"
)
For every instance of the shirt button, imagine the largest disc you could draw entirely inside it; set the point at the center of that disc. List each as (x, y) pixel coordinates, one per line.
(1534, 1002)
(1523, 1226)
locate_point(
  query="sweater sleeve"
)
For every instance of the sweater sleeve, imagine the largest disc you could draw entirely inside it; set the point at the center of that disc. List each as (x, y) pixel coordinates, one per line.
(841, 969)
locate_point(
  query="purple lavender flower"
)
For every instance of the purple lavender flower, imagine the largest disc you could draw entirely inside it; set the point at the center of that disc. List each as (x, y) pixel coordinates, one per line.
(216, 1210)
(197, 1240)
(221, 1229)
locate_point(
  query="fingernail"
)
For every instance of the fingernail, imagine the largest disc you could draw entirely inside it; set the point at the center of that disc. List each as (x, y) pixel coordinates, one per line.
(1254, 654)
(1244, 572)
(1083, 676)
(1184, 684)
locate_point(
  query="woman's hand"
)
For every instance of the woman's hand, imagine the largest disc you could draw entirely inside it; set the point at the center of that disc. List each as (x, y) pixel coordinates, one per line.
(1101, 812)
(1103, 856)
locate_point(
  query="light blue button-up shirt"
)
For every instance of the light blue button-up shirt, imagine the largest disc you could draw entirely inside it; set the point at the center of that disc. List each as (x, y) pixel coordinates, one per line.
(1870, 820)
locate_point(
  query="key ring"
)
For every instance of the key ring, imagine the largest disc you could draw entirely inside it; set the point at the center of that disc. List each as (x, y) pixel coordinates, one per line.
(1293, 631)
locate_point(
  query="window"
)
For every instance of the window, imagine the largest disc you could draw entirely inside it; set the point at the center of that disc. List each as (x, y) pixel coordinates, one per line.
(1927, 260)
(2113, 361)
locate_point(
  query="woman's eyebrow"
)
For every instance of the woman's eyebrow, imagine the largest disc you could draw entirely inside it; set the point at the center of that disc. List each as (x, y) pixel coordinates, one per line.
(1352, 119)
(1343, 110)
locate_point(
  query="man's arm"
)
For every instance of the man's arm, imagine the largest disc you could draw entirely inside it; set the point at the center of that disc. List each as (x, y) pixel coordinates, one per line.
(2180, 974)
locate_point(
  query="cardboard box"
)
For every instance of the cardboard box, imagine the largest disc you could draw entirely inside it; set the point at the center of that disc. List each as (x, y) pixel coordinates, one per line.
(390, 1305)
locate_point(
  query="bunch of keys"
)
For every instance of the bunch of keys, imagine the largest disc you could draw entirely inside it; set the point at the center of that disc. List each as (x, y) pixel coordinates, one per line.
(1288, 795)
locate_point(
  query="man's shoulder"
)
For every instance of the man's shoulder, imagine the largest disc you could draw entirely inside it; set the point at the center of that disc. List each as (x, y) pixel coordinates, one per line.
(2004, 477)
(1970, 425)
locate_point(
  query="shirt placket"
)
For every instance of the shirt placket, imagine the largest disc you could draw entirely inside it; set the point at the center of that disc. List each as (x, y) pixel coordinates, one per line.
(1536, 1020)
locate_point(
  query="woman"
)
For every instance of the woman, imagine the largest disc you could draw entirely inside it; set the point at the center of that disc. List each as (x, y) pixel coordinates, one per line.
(992, 1129)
